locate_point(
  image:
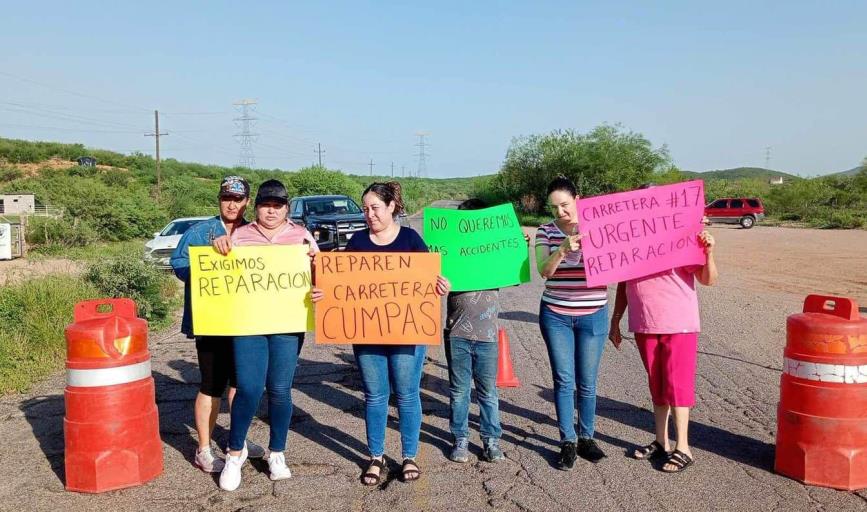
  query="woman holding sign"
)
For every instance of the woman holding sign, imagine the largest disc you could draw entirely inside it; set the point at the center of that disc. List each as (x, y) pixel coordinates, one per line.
(387, 367)
(574, 323)
(267, 360)
(663, 314)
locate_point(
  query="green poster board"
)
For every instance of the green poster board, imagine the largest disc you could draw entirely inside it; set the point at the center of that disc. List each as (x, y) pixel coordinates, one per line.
(480, 249)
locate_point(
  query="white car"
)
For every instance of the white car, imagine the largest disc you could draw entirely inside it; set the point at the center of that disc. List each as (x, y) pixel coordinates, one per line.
(159, 249)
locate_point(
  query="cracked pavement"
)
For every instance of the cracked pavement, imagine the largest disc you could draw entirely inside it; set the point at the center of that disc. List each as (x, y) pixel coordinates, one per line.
(732, 432)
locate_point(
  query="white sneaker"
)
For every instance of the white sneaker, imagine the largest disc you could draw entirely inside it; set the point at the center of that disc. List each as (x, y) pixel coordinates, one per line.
(254, 451)
(277, 465)
(206, 461)
(230, 477)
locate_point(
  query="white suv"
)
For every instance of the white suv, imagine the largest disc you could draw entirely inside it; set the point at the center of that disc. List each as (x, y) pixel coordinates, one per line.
(159, 249)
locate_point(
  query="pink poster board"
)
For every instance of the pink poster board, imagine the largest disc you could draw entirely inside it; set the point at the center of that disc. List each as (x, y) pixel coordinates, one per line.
(642, 232)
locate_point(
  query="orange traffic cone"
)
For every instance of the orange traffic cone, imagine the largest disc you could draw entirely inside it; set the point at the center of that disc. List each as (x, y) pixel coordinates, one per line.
(506, 377)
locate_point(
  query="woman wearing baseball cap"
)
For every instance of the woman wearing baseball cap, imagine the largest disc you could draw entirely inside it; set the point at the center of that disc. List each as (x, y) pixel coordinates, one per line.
(264, 360)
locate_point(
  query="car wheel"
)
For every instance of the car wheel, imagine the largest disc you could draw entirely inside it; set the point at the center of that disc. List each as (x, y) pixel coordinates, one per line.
(747, 222)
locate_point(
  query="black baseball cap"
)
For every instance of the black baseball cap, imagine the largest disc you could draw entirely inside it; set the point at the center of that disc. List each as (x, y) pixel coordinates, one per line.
(234, 186)
(272, 190)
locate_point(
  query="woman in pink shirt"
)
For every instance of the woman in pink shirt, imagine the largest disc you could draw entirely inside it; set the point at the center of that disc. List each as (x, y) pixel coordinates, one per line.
(265, 360)
(663, 314)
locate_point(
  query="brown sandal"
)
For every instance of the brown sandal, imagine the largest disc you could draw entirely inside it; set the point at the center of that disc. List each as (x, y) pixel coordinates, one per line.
(410, 471)
(370, 478)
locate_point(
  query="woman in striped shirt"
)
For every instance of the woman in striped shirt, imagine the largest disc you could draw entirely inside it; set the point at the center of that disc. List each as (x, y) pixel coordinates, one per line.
(574, 323)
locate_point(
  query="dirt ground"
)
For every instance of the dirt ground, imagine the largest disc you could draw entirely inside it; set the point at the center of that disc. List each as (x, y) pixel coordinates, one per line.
(828, 262)
(52, 164)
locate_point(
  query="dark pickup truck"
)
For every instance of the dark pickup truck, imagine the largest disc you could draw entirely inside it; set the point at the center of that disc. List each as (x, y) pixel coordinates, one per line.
(331, 219)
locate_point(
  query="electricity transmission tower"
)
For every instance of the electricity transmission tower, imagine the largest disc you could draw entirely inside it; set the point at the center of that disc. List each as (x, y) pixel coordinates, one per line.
(421, 172)
(246, 137)
(767, 157)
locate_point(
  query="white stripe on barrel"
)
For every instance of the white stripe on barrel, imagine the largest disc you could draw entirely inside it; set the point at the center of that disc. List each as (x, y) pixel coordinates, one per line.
(840, 373)
(108, 376)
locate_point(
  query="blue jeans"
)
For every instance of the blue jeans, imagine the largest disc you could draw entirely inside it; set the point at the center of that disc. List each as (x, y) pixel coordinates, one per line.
(575, 345)
(471, 361)
(260, 362)
(383, 368)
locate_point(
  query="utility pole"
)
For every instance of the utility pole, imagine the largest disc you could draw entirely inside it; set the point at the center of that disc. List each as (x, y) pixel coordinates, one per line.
(403, 170)
(246, 137)
(767, 157)
(156, 135)
(392, 169)
(371, 164)
(422, 162)
(319, 151)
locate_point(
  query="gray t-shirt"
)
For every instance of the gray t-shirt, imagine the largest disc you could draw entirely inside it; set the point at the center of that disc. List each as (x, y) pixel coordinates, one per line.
(473, 315)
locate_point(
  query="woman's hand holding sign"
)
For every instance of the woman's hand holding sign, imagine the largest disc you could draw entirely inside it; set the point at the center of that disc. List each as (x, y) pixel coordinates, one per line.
(222, 244)
(707, 241)
(443, 285)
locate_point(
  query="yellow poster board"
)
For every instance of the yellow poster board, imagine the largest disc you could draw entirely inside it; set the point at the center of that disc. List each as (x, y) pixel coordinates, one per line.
(253, 290)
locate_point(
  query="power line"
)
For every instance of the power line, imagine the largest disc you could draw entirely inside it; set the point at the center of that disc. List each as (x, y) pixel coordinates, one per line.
(156, 135)
(246, 136)
(319, 151)
(73, 93)
(421, 171)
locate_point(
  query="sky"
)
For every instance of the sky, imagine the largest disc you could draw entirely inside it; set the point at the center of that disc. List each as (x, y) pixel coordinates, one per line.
(716, 84)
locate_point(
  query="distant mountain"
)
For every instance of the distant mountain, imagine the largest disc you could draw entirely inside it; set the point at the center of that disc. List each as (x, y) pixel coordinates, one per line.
(851, 172)
(739, 173)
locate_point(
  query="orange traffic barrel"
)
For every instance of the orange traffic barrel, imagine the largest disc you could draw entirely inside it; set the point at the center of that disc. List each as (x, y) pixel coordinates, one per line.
(822, 415)
(111, 427)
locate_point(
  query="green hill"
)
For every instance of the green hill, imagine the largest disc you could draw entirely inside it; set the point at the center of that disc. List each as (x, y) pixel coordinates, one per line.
(851, 172)
(739, 173)
(119, 200)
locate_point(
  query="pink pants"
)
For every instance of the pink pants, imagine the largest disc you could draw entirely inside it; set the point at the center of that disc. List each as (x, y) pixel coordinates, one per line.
(670, 363)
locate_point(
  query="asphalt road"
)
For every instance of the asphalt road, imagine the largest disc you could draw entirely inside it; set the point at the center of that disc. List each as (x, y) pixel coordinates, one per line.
(732, 433)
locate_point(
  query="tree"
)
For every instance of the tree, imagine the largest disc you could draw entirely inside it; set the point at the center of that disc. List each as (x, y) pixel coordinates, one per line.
(608, 159)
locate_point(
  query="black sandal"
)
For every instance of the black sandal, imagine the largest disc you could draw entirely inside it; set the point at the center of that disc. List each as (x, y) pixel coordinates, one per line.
(653, 451)
(679, 460)
(370, 478)
(412, 473)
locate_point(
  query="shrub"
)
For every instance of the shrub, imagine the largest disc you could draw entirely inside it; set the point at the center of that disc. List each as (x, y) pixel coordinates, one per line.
(60, 232)
(9, 174)
(319, 180)
(153, 291)
(838, 219)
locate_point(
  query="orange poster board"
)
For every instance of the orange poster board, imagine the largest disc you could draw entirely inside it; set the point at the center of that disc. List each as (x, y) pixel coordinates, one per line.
(378, 298)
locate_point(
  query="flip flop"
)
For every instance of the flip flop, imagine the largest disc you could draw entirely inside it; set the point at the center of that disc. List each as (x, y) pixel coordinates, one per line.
(679, 460)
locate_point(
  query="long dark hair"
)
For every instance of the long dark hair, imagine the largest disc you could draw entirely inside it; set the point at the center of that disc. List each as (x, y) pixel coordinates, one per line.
(387, 193)
(562, 183)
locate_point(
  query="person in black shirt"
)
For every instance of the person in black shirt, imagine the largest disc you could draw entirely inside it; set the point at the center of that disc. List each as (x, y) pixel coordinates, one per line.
(384, 366)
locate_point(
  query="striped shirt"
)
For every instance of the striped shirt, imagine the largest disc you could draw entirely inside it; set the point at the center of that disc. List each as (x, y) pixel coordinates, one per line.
(566, 292)
(291, 234)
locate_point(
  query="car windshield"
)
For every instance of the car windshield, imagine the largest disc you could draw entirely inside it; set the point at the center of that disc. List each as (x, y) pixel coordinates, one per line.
(178, 227)
(332, 206)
